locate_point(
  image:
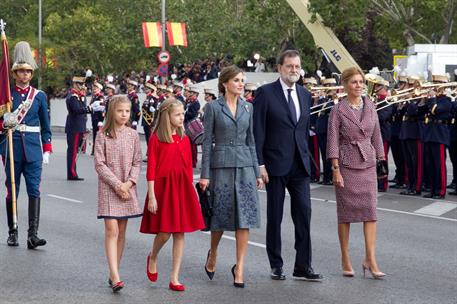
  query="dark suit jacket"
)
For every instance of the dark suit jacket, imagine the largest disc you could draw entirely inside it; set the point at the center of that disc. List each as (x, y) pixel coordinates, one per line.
(277, 137)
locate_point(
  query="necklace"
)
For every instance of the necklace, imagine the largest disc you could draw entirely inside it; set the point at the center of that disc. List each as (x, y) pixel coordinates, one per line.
(357, 106)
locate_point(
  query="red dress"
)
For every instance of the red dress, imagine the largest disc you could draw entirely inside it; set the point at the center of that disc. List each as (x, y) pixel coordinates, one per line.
(170, 167)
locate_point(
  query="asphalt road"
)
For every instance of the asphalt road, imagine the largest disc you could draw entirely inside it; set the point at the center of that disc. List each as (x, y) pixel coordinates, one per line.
(417, 248)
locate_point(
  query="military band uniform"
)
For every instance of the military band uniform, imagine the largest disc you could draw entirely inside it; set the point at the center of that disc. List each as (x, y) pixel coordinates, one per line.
(313, 145)
(148, 111)
(411, 134)
(453, 148)
(97, 115)
(75, 127)
(436, 139)
(135, 112)
(397, 147)
(192, 109)
(385, 117)
(321, 131)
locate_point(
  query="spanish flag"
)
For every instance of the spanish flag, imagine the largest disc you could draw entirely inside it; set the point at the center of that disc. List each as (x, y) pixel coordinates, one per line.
(177, 33)
(152, 34)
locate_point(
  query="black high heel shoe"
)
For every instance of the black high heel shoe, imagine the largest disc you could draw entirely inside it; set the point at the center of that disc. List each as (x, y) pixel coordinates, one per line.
(239, 285)
(209, 273)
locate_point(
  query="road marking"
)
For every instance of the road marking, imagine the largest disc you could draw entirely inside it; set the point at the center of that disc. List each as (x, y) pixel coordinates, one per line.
(234, 239)
(395, 211)
(391, 210)
(436, 208)
(65, 198)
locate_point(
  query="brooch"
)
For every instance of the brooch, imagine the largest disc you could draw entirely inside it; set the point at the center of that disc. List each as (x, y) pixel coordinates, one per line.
(247, 108)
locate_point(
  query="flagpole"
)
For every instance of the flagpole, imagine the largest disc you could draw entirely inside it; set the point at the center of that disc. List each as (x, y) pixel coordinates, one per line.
(10, 131)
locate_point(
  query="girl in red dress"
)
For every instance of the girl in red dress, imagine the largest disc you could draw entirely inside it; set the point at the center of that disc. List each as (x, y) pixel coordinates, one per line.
(171, 206)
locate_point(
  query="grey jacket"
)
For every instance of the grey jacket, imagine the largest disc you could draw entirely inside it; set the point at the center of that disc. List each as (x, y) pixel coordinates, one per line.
(233, 138)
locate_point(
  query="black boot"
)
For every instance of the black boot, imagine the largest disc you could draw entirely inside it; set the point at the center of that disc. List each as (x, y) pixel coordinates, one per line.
(12, 232)
(33, 240)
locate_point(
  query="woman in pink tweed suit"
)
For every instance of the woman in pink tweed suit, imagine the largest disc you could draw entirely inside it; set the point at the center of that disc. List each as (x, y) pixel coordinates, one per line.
(117, 162)
(354, 144)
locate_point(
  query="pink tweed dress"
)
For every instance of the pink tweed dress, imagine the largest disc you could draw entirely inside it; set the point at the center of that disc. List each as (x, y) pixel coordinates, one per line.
(354, 138)
(117, 161)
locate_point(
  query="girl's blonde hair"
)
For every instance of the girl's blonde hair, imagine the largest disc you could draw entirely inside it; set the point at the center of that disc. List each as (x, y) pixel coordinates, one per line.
(163, 125)
(108, 127)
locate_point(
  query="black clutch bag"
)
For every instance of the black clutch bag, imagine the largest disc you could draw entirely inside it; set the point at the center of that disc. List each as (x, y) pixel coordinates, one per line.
(206, 204)
(382, 169)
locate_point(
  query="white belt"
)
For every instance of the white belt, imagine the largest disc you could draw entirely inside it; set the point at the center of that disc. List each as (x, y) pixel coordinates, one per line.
(25, 128)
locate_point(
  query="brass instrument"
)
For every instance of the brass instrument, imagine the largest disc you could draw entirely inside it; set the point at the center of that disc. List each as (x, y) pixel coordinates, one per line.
(326, 88)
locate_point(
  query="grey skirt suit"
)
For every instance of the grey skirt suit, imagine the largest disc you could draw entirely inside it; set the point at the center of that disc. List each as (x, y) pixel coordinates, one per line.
(230, 163)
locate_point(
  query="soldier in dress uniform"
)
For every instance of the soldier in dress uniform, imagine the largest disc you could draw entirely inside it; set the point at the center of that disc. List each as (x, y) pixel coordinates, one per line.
(177, 91)
(75, 126)
(412, 136)
(313, 142)
(437, 138)
(148, 109)
(32, 146)
(161, 89)
(135, 112)
(98, 110)
(396, 146)
(210, 96)
(192, 109)
(384, 116)
(453, 147)
(249, 91)
(110, 91)
(326, 101)
(169, 92)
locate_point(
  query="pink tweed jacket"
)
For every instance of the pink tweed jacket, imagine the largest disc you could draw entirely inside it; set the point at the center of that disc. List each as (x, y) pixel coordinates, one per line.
(117, 161)
(357, 144)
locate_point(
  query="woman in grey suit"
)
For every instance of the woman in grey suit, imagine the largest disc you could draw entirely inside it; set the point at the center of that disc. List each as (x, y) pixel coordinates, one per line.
(230, 169)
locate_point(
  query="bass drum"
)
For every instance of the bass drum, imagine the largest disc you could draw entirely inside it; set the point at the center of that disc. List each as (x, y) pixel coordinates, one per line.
(194, 129)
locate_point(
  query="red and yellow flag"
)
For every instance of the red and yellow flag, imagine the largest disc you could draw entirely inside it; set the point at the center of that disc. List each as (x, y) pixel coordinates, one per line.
(152, 34)
(177, 34)
(5, 94)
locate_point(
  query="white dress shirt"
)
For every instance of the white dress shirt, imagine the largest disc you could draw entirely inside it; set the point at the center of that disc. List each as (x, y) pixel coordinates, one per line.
(294, 96)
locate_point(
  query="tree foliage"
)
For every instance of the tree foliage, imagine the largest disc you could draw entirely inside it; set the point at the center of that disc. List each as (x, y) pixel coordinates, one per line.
(105, 35)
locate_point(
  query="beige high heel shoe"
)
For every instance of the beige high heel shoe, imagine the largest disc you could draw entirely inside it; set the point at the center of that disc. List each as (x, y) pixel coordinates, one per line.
(376, 275)
(348, 273)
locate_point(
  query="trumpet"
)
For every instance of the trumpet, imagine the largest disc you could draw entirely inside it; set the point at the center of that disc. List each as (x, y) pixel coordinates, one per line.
(326, 88)
(323, 105)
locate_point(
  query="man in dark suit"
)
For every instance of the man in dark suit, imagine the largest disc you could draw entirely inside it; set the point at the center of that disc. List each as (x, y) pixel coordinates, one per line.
(281, 128)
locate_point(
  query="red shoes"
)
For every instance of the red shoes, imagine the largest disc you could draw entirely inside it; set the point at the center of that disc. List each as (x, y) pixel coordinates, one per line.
(117, 286)
(179, 287)
(151, 276)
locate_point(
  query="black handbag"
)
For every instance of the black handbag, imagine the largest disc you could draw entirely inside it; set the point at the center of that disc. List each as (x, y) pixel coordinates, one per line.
(382, 169)
(206, 205)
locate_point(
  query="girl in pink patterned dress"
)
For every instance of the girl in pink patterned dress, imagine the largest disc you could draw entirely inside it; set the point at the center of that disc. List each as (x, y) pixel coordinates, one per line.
(117, 162)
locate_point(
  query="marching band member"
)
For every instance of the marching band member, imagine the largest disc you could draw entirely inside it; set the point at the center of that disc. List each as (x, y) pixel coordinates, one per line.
(436, 138)
(110, 91)
(75, 126)
(192, 109)
(325, 99)
(313, 143)
(395, 142)
(453, 148)
(384, 116)
(147, 109)
(135, 113)
(31, 142)
(412, 136)
(249, 91)
(177, 91)
(98, 109)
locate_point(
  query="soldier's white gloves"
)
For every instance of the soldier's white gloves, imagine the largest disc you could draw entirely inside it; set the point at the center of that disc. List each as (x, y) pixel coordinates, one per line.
(10, 120)
(152, 109)
(46, 156)
(134, 123)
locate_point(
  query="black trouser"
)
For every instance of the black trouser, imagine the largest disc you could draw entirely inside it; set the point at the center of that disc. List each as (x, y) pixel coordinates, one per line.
(383, 183)
(453, 157)
(314, 150)
(147, 133)
(397, 154)
(413, 157)
(96, 118)
(297, 183)
(436, 154)
(74, 141)
(322, 139)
